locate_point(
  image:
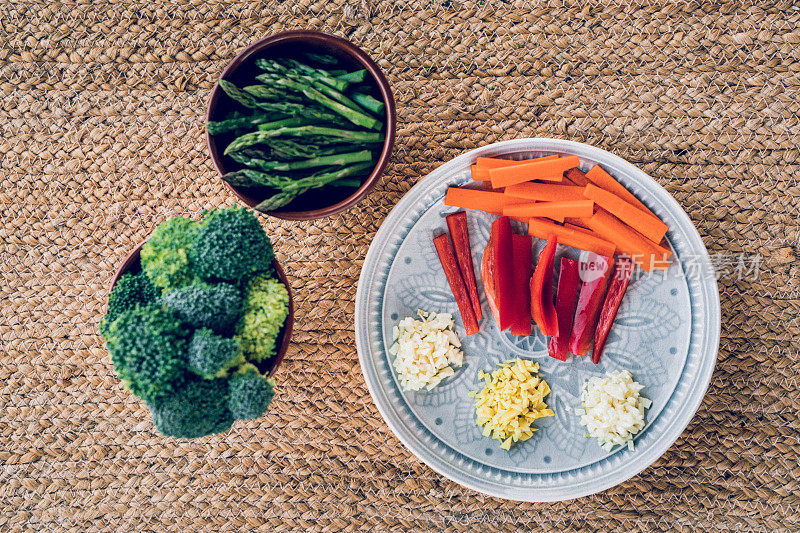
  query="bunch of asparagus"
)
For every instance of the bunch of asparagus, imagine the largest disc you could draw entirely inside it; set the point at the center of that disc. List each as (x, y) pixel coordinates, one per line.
(306, 127)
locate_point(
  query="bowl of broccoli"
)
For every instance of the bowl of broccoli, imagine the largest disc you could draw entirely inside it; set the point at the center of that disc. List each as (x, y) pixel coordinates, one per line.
(198, 318)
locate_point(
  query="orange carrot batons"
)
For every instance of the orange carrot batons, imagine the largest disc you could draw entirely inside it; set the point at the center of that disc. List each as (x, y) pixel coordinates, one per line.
(648, 225)
(544, 229)
(548, 170)
(491, 202)
(604, 180)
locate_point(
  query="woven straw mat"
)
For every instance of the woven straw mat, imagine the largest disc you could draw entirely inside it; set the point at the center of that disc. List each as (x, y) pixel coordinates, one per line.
(101, 139)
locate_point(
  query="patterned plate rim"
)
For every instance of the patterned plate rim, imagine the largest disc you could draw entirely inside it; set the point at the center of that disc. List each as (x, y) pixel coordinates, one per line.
(706, 346)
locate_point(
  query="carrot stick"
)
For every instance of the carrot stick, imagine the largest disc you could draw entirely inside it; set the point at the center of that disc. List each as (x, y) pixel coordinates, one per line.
(544, 229)
(581, 229)
(478, 174)
(513, 200)
(648, 225)
(604, 180)
(576, 176)
(579, 222)
(491, 202)
(496, 162)
(554, 210)
(550, 170)
(547, 192)
(480, 169)
(628, 241)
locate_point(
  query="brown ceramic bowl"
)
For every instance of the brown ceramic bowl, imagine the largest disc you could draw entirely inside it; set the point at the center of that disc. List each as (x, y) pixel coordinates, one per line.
(293, 44)
(132, 264)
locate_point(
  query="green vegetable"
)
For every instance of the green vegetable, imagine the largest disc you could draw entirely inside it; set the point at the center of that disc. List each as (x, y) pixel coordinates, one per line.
(292, 69)
(357, 76)
(368, 102)
(183, 349)
(292, 166)
(211, 356)
(201, 305)
(164, 256)
(288, 149)
(323, 59)
(249, 393)
(241, 123)
(197, 409)
(229, 244)
(346, 183)
(129, 291)
(289, 191)
(286, 123)
(249, 177)
(266, 306)
(333, 134)
(308, 89)
(148, 349)
(312, 116)
(237, 94)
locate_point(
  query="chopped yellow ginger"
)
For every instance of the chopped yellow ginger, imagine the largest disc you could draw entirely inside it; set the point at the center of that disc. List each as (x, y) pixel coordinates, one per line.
(511, 399)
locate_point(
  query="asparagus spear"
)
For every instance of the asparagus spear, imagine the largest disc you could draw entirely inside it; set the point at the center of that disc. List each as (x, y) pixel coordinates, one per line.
(368, 102)
(300, 85)
(336, 95)
(294, 188)
(316, 132)
(289, 149)
(357, 76)
(347, 183)
(233, 124)
(293, 108)
(289, 68)
(237, 94)
(286, 123)
(322, 59)
(353, 115)
(292, 166)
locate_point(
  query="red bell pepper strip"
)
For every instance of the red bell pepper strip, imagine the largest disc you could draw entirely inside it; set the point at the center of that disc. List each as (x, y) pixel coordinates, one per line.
(616, 291)
(487, 278)
(569, 282)
(450, 266)
(595, 275)
(542, 309)
(457, 224)
(503, 258)
(522, 247)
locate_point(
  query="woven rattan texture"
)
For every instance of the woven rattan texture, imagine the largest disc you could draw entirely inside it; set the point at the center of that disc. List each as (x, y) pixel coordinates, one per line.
(101, 112)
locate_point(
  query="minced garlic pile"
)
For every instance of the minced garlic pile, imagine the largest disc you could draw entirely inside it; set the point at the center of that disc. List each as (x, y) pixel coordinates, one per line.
(613, 409)
(511, 399)
(424, 350)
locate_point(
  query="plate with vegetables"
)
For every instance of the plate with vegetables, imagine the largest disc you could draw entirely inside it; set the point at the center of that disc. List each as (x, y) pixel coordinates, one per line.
(537, 320)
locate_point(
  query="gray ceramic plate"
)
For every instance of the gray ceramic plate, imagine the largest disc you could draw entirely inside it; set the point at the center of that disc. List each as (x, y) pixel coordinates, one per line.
(666, 334)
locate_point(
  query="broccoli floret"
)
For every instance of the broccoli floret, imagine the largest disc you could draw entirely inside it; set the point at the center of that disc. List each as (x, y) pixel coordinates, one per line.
(197, 409)
(130, 290)
(148, 349)
(266, 306)
(230, 244)
(164, 256)
(201, 305)
(212, 356)
(250, 393)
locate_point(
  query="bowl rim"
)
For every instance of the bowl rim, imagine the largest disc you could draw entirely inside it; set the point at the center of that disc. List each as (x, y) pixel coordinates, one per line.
(318, 37)
(132, 261)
